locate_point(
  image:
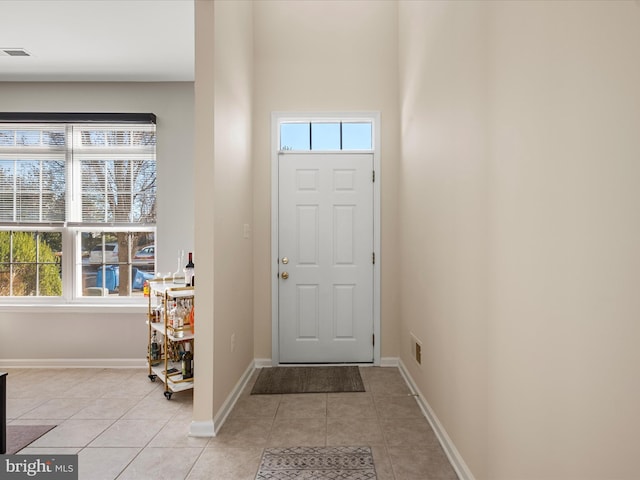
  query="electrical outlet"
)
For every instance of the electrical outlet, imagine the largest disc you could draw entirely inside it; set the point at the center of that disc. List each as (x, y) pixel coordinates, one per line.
(233, 342)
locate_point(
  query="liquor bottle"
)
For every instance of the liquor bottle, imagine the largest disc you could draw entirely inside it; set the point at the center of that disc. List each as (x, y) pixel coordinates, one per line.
(187, 361)
(154, 354)
(158, 314)
(189, 272)
(177, 279)
(177, 319)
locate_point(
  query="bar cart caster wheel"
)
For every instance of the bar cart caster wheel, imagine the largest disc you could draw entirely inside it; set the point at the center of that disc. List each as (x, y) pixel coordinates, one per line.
(152, 377)
(168, 395)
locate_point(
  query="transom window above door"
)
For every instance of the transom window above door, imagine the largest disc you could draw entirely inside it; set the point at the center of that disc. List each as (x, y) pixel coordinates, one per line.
(326, 136)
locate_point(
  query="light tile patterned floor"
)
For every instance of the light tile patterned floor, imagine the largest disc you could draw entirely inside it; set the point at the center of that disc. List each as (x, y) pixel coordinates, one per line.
(122, 427)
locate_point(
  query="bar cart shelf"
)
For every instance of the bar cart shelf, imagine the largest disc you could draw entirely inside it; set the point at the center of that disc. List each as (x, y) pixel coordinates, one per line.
(164, 361)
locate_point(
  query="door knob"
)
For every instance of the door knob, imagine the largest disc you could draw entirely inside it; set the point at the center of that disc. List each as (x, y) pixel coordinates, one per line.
(285, 275)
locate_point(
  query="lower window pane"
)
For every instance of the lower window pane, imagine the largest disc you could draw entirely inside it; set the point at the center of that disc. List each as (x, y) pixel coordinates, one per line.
(30, 264)
(24, 280)
(116, 264)
(50, 280)
(5, 278)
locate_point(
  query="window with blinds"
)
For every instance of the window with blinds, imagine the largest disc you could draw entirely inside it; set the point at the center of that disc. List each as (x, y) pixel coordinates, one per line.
(32, 174)
(77, 206)
(118, 174)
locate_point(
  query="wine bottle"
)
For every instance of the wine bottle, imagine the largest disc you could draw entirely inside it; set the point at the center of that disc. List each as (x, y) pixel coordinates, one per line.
(187, 362)
(189, 272)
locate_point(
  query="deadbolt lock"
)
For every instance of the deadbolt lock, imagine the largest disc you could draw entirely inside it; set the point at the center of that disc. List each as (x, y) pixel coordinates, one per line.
(285, 260)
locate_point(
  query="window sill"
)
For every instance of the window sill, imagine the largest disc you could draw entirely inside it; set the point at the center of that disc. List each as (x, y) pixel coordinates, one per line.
(74, 308)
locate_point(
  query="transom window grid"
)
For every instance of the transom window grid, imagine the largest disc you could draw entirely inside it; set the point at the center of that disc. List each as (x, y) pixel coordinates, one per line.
(326, 136)
(86, 184)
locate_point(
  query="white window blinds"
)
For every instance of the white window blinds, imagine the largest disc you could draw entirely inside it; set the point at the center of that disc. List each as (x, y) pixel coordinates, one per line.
(112, 170)
(32, 174)
(118, 173)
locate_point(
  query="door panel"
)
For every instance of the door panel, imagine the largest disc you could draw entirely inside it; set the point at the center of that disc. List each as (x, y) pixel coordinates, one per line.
(325, 212)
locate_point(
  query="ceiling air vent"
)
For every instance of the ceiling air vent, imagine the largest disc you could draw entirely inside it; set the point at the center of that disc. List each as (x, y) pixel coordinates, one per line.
(14, 52)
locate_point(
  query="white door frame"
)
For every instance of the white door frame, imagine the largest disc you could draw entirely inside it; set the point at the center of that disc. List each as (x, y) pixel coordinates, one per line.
(276, 119)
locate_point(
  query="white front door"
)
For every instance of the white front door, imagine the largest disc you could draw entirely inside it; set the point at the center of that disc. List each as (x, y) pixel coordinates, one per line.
(326, 274)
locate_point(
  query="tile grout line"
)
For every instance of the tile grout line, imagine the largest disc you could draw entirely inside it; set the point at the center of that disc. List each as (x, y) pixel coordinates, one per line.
(113, 423)
(148, 442)
(378, 400)
(121, 417)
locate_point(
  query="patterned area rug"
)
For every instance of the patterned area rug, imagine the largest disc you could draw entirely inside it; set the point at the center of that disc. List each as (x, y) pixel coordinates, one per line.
(317, 463)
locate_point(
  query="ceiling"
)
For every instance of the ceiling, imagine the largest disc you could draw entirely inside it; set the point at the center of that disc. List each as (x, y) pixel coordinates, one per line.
(97, 40)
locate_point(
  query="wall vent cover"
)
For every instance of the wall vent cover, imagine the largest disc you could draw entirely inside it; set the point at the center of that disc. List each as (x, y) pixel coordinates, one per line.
(14, 52)
(416, 349)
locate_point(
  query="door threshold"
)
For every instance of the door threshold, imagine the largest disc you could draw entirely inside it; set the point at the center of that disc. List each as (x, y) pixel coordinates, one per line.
(328, 364)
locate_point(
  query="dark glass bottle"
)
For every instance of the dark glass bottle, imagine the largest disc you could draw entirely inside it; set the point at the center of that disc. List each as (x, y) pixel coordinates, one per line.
(187, 362)
(154, 354)
(189, 272)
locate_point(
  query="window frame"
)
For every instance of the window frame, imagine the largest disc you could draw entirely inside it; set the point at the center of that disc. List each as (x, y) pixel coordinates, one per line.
(329, 118)
(73, 297)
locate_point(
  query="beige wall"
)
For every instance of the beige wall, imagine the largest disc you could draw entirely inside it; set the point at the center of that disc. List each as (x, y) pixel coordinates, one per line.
(443, 204)
(565, 230)
(516, 262)
(224, 43)
(232, 177)
(315, 56)
(203, 408)
(519, 187)
(108, 334)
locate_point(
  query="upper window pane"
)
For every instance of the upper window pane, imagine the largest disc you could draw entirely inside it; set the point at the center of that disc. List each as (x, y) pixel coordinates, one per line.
(116, 137)
(295, 136)
(121, 190)
(325, 136)
(32, 188)
(7, 138)
(56, 138)
(21, 138)
(356, 136)
(28, 137)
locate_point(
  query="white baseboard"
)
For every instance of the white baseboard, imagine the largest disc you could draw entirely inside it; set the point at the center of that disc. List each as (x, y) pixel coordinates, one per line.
(202, 429)
(232, 398)
(389, 361)
(262, 362)
(73, 363)
(450, 449)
